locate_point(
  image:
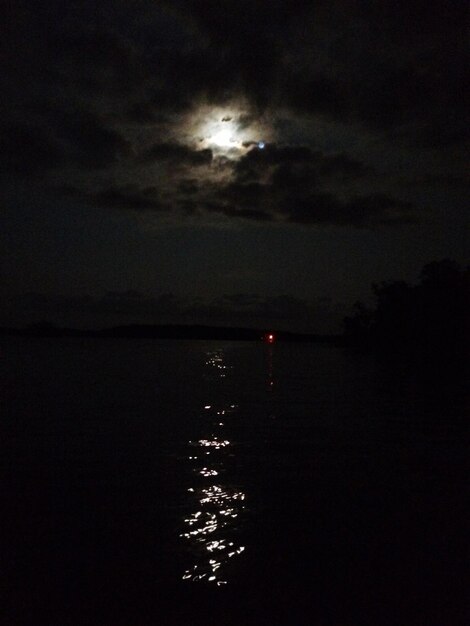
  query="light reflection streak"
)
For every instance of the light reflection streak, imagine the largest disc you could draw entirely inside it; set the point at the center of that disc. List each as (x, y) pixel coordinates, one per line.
(213, 443)
(217, 508)
(215, 360)
(270, 369)
(208, 472)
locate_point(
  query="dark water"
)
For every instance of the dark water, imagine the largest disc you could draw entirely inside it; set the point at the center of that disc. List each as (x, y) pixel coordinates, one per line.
(148, 482)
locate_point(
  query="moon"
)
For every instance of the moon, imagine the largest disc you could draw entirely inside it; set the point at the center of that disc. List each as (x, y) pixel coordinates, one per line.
(225, 130)
(223, 138)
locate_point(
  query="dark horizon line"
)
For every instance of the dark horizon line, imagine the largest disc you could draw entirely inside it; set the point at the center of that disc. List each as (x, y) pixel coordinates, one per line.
(170, 331)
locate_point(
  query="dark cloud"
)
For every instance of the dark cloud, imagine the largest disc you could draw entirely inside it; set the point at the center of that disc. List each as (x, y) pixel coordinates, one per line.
(382, 65)
(243, 194)
(394, 63)
(342, 165)
(177, 154)
(125, 197)
(361, 211)
(188, 186)
(256, 161)
(273, 154)
(257, 215)
(59, 139)
(240, 300)
(397, 68)
(143, 113)
(88, 142)
(367, 211)
(277, 184)
(255, 308)
(284, 183)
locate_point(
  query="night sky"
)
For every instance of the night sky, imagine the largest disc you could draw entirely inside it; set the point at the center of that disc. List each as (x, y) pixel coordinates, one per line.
(226, 162)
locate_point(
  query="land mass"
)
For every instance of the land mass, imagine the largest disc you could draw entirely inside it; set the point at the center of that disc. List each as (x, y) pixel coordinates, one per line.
(149, 331)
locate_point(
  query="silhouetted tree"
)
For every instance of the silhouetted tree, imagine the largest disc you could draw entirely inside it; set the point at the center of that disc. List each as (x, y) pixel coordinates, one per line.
(359, 327)
(429, 319)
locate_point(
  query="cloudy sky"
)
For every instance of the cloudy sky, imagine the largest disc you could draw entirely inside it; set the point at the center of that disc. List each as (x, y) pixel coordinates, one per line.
(231, 162)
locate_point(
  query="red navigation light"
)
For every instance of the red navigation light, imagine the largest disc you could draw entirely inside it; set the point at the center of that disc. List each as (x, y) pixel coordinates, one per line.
(269, 338)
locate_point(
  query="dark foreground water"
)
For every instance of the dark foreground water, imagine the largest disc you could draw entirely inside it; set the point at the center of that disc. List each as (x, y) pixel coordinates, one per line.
(148, 483)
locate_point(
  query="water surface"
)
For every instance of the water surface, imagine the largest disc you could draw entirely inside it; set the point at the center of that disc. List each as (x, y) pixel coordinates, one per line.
(167, 482)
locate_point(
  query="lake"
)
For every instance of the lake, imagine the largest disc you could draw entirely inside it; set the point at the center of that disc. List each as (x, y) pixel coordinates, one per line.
(154, 482)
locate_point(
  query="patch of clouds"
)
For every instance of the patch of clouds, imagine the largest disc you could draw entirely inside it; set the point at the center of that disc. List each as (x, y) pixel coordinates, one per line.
(135, 94)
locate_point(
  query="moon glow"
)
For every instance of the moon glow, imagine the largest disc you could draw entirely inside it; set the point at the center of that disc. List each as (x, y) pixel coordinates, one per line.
(223, 138)
(229, 131)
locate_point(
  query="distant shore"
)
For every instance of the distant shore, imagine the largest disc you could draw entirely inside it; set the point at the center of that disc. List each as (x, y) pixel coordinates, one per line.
(176, 331)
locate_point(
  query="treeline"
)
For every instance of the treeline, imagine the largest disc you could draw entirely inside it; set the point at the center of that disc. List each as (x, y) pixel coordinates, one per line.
(430, 319)
(172, 331)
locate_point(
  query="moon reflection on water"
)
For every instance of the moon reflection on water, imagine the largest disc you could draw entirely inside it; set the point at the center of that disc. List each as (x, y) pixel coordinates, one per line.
(217, 506)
